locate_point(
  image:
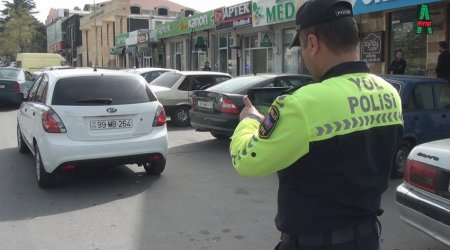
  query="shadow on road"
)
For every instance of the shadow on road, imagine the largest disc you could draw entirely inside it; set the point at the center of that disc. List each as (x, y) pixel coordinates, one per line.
(8, 107)
(84, 188)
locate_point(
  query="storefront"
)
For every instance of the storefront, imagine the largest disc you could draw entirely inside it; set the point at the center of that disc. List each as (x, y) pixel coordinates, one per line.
(389, 26)
(118, 53)
(228, 50)
(187, 41)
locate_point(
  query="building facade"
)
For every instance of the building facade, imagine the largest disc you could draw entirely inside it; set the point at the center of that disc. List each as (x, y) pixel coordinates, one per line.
(232, 43)
(121, 34)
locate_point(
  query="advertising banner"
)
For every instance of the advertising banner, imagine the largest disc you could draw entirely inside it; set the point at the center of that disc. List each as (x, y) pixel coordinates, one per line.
(197, 22)
(234, 16)
(266, 12)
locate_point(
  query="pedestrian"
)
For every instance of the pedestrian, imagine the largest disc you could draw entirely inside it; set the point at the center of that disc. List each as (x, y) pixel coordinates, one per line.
(331, 142)
(206, 67)
(443, 63)
(398, 65)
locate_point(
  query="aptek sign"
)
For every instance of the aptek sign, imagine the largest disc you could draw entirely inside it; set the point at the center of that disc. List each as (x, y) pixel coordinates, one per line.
(233, 16)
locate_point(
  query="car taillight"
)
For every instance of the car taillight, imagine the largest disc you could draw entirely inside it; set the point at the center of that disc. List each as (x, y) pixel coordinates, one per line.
(16, 87)
(160, 117)
(193, 102)
(421, 175)
(52, 123)
(229, 107)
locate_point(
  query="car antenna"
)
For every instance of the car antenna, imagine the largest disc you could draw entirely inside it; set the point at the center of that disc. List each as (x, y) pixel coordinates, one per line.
(95, 68)
(254, 71)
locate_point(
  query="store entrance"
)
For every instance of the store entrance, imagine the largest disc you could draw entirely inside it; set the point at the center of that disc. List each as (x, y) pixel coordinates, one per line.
(258, 60)
(405, 38)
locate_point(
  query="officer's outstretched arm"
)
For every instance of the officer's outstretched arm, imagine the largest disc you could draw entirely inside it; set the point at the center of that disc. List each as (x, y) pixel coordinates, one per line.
(259, 149)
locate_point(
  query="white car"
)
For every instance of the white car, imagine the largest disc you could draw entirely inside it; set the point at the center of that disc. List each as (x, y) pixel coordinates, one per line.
(174, 90)
(149, 74)
(85, 117)
(424, 196)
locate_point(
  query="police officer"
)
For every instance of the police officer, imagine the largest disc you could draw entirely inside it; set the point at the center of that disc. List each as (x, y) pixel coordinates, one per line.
(331, 142)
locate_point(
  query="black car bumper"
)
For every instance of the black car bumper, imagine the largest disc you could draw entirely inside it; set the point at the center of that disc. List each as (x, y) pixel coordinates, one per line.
(219, 123)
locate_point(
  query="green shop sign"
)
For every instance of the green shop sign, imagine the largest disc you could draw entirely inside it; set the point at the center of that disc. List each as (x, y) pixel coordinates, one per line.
(120, 40)
(266, 12)
(197, 22)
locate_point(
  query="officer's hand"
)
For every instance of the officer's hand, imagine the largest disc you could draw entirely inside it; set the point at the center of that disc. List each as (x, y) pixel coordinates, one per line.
(249, 110)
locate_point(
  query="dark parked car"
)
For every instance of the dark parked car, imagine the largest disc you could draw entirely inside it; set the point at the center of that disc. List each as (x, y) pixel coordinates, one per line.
(217, 108)
(14, 84)
(426, 113)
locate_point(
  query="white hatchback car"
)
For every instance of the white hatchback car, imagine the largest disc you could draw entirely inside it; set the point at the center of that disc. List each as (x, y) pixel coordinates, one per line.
(85, 117)
(424, 196)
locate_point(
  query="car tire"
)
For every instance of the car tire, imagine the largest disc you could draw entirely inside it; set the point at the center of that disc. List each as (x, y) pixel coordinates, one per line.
(220, 136)
(399, 160)
(181, 116)
(155, 167)
(44, 179)
(23, 148)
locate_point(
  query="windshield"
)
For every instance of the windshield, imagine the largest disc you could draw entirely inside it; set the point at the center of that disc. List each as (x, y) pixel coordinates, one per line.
(167, 79)
(101, 90)
(9, 73)
(237, 85)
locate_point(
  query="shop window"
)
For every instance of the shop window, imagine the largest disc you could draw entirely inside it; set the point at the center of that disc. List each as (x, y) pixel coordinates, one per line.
(291, 60)
(135, 10)
(163, 12)
(413, 45)
(188, 13)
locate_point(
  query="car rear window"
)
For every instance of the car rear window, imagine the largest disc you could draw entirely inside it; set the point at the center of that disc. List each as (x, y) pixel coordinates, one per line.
(101, 90)
(237, 85)
(167, 79)
(9, 73)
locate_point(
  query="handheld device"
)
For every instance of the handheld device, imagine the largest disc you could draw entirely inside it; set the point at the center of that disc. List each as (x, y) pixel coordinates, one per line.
(262, 98)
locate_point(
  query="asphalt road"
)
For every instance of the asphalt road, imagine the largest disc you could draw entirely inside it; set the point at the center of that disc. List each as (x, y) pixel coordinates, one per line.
(199, 202)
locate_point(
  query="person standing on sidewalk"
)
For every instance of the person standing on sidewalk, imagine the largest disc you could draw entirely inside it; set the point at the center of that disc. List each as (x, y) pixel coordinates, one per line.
(443, 63)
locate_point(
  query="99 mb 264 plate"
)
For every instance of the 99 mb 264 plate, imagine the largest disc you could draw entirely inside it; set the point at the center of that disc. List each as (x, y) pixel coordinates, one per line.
(111, 124)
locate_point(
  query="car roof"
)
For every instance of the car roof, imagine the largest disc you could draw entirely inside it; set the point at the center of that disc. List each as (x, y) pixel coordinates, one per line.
(273, 75)
(202, 73)
(143, 70)
(62, 73)
(405, 79)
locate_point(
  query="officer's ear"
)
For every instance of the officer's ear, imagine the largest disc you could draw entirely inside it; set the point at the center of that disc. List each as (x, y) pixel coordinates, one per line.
(312, 44)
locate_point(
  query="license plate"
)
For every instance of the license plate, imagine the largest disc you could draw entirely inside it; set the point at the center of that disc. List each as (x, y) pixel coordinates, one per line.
(2, 86)
(111, 124)
(203, 104)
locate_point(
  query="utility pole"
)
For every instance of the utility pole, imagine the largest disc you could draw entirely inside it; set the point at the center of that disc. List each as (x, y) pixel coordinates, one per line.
(95, 37)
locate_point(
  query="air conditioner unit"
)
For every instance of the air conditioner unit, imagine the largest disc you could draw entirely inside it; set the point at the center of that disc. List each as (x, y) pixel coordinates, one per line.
(235, 40)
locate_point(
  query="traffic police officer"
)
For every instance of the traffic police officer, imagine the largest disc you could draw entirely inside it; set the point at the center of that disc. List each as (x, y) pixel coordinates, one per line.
(331, 142)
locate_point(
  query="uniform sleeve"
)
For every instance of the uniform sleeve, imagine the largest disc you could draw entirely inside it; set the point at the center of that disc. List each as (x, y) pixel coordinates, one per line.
(260, 149)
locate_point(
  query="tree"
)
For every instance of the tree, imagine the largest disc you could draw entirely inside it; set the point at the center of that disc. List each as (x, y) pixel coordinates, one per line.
(23, 33)
(76, 8)
(15, 5)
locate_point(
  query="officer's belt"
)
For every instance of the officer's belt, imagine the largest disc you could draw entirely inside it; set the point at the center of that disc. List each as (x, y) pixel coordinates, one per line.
(334, 237)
